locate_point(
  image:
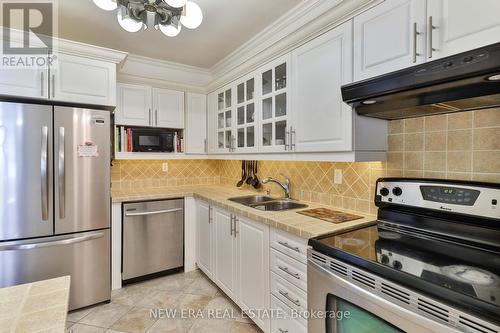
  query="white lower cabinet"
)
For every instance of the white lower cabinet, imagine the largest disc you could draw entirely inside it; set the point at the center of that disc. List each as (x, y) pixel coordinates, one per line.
(288, 276)
(285, 324)
(204, 237)
(234, 253)
(225, 272)
(253, 267)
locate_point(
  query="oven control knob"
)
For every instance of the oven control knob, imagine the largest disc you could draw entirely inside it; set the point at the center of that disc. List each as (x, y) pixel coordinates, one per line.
(384, 259)
(397, 191)
(397, 265)
(384, 191)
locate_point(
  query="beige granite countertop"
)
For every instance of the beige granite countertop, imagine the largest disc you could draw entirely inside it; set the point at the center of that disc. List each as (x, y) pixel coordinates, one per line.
(35, 307)
(218, 195)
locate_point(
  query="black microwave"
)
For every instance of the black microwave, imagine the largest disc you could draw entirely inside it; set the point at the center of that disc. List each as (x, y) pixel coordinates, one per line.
(152, 139)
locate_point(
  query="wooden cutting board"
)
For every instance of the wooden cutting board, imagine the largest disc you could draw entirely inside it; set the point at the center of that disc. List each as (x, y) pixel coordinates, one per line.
(329, 215)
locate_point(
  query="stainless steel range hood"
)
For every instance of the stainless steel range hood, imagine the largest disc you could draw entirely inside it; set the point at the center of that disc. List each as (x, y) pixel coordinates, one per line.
(466, 81)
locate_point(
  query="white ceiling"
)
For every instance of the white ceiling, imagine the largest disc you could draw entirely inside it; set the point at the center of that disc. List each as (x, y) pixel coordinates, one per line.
(227, 24)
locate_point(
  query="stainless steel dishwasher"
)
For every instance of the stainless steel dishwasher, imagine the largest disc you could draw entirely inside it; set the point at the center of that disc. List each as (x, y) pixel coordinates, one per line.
(153, 238)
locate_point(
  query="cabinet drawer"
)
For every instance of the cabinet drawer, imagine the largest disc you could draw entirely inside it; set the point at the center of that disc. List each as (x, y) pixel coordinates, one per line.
(289, 269)
(289, 294)
(286, 324)
(291, 245)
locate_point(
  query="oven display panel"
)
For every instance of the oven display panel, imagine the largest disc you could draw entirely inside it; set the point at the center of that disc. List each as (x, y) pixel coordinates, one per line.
(450, 195)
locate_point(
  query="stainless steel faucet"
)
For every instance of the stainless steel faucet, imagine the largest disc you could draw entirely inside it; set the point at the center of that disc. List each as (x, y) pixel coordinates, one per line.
(285, 185)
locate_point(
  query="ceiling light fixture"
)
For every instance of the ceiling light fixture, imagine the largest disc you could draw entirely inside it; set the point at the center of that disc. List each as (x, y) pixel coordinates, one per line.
(164, 15)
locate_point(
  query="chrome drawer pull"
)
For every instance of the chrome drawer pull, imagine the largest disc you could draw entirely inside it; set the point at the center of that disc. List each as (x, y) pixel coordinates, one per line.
(285, 269)
(285, 244)
(282, 330)
(285, 294)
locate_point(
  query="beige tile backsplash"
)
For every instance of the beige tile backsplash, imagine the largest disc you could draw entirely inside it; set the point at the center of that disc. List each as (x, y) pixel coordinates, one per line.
(455, 146)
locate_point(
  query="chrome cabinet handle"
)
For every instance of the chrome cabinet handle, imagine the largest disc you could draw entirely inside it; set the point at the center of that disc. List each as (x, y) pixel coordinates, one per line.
(210, 218)
(236, 232)
(53, 85)
(231, 225)
(156, 117)
(42, 80)
(62, 174)
(285, 244)
(287, 139)
(282, 330)
(430, 27)
(205, 145)
(65, 241)
(286, 270)
(44, 166)
(415, 40)
(287, 296)
(150, 120)
(165, 211)
(292, 138)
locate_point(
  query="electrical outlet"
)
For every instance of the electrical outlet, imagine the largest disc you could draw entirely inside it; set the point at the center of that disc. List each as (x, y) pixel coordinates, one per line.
(337, 176)
(164, 167)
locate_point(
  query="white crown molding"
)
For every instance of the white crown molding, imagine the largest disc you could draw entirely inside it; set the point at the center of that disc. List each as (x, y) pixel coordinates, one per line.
(70, 47)
(170, 72)
(302, 23)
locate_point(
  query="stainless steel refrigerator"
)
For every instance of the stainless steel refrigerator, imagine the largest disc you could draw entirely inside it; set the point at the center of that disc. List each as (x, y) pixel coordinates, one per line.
(54, 198)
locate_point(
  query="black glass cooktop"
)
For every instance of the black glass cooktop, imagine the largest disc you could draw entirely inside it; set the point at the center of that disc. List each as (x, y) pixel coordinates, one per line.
(467, 275)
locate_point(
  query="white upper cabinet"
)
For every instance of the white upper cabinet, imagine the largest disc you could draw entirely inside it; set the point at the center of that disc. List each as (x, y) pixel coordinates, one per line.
(246, 115)
(389, 37)
(225, 120)
(321, 120)
(140, 105)
(168, 107)
(461, 25)
(82, 80)
(133, 105)
(274, 105)
(196, 124)
(212, 122)
(24, 83)
(70, 78)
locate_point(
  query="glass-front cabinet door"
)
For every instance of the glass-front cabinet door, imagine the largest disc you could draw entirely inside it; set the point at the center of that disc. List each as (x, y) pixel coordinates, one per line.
(225, 116)
(246, 115)
(274, 106)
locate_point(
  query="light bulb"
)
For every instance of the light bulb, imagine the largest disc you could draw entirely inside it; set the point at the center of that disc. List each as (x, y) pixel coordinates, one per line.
(170, 30)
(193, 17)
(128, 23)
(106, 4)
(176, 3)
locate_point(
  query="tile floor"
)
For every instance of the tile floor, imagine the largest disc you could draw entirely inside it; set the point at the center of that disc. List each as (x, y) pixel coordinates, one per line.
(129, 310)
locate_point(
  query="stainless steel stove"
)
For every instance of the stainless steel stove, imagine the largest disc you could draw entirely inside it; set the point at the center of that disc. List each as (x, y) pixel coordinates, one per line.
(431, 263)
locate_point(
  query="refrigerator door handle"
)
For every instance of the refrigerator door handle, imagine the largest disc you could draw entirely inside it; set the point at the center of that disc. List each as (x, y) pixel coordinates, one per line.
(62, 175)
(155, 212)
(60, 242)
(44, 166)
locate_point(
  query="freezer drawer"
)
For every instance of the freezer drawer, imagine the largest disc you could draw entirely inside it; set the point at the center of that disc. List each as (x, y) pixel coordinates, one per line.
(153, 237)
(84, 256)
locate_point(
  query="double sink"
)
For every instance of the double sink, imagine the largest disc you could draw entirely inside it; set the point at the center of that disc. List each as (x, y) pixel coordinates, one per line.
(265, 203)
